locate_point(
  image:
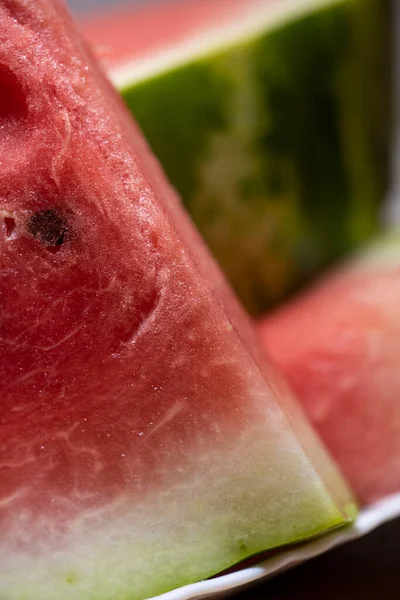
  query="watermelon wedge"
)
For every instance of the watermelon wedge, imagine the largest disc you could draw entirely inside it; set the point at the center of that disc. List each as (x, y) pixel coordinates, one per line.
(339, 346)
(271, 118)
(144, 441)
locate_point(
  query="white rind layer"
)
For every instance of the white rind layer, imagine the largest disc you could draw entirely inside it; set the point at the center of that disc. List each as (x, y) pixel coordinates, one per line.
(261, 493)
(370, 518)
(261, 18)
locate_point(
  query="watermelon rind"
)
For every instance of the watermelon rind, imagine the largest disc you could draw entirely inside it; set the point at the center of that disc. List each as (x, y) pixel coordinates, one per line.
(368, 520)
(276, 132)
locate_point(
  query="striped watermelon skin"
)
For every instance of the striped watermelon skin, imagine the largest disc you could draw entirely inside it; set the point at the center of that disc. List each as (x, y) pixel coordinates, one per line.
(145, 441)
(279, 145)
(338, 345)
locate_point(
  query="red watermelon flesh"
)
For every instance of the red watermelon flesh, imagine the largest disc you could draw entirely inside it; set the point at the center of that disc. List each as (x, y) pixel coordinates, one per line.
(144, 441)
(159, 27)
(339, 346)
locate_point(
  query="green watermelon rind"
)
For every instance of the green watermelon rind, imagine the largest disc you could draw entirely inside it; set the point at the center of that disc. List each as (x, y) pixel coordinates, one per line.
(110, 574)
(278, 145)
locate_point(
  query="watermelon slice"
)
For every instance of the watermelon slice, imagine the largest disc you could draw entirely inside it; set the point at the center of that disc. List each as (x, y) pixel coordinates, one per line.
(271, 118)
(339, 347)
(144, 441)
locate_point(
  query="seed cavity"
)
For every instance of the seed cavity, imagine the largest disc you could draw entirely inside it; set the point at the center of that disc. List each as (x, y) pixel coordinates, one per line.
(49, 227)
(9, 224)
(13, 103)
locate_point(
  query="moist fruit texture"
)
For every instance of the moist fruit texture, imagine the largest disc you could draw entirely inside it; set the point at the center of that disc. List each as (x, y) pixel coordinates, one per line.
(144, 441)
(339, 346)
(271, 118)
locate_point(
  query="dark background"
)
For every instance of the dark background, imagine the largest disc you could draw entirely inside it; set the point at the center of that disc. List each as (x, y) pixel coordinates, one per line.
(368, 569)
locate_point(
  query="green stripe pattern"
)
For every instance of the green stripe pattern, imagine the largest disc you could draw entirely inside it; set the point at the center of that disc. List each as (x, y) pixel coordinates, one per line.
(279, 146)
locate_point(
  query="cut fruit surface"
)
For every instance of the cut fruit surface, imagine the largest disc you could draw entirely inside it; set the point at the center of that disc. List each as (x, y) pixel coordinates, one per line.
(338, 344)
(271, 118)
(144, 441)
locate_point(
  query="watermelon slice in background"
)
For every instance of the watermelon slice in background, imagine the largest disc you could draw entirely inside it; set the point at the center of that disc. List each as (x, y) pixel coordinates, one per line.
(339, 346)
(271, 117)
(144, 441)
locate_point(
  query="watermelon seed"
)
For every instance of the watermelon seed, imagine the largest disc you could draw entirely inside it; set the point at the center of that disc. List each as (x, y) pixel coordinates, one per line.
(49, 227)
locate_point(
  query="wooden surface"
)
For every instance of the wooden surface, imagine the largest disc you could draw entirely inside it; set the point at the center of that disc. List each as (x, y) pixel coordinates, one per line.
(368, 569)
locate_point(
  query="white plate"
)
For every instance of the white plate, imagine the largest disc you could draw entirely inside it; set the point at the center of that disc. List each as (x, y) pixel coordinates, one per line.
(368, 520)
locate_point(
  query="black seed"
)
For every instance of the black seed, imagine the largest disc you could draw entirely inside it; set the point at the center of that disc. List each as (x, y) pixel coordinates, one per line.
(48, 226)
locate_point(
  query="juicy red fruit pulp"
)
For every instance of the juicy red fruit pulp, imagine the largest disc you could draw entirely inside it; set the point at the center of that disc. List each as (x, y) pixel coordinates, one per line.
(141, 429)
(96, 349)
(141, 31)
(85, 323)
(339, 347)
(12, 100)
